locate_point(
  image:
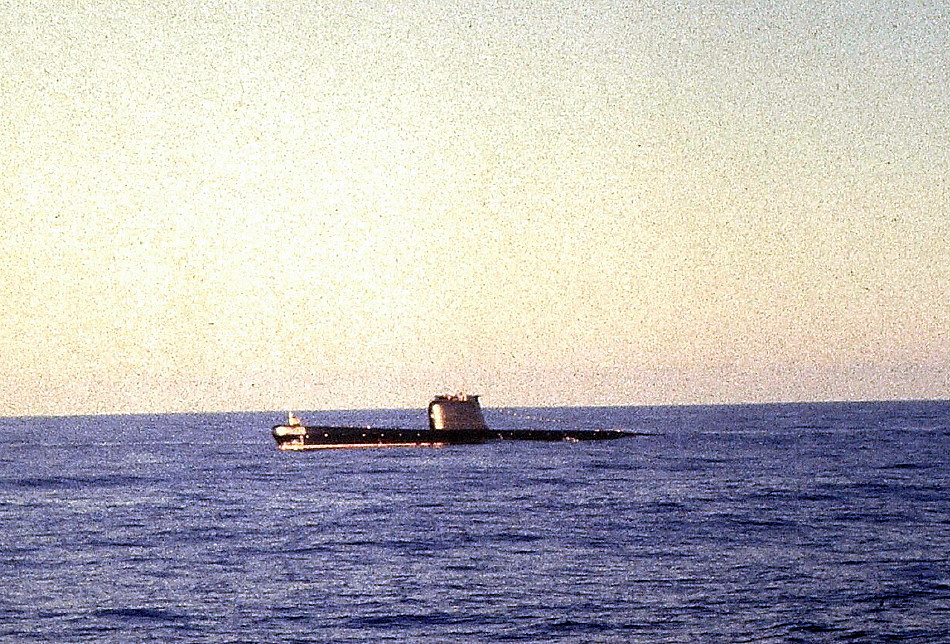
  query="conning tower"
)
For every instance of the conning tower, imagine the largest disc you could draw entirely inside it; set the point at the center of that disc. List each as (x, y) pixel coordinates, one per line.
(461, 411)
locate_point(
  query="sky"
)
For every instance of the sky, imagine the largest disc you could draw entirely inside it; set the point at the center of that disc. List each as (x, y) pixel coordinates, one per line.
(243, 205)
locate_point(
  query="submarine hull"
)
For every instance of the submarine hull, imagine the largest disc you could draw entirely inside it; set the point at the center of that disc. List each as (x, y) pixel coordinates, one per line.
(453, 420)
(327, 437)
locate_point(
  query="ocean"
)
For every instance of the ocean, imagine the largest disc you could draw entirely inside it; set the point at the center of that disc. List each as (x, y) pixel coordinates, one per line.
(760, 523)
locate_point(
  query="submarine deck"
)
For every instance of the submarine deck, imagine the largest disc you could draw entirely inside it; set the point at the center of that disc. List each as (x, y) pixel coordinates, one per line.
(299, 437)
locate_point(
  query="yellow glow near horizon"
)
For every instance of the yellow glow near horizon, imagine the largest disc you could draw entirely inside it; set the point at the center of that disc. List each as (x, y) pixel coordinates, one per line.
(257, 205)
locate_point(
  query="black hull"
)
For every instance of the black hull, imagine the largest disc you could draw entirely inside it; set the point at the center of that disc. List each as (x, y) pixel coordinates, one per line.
(323, 437)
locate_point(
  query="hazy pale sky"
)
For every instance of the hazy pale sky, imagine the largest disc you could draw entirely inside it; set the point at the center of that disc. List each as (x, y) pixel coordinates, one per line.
(267, 205)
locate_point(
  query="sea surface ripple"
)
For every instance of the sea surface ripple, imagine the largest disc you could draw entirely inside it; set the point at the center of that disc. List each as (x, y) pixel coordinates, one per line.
(763, 523)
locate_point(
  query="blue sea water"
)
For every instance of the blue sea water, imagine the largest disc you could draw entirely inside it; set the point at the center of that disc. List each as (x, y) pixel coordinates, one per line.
(764, 523)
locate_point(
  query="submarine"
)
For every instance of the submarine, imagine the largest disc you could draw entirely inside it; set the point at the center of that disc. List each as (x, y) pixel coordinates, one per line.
(453, 420)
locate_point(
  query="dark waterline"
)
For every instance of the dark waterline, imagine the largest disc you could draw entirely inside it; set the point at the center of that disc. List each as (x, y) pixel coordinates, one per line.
(776, 523)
